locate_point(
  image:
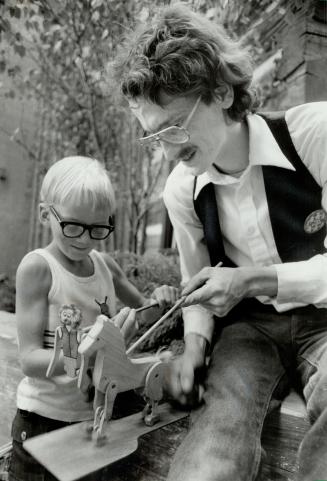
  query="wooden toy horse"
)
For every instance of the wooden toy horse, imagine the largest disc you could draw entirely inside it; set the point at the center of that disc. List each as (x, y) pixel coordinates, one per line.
(114, 372)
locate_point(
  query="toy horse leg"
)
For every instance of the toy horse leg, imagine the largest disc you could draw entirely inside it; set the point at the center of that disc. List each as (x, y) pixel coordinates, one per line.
(97, 408)
(98, 405)
(105, 416)
(153, 393)
(150, 413)
(84, 380)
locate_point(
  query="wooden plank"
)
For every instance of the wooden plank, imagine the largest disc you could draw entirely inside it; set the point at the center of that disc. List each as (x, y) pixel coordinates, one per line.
(152, 459)
(69, 455)
(271, 473)
(281, 438)
(150, 462)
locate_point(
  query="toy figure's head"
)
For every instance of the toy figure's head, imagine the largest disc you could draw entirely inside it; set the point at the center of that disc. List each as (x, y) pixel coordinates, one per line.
(70, 315)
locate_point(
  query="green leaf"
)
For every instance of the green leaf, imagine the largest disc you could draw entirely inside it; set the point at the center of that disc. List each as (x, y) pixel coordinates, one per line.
(95, 16)
(36, 25)
(57, 46)
(54, 29)
(20, 49)
(17, 12)
(5, 25)
(96, 3)
(86, 51)
(105, 34)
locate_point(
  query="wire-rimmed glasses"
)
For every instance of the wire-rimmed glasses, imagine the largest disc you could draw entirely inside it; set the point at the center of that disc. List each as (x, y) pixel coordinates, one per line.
(173, 134)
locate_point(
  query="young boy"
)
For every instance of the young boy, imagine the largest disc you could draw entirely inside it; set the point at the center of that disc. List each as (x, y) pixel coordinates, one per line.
(77, 203)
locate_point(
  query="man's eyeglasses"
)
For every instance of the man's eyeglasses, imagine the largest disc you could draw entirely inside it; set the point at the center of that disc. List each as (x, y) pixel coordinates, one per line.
(76, 229)
(173, 134)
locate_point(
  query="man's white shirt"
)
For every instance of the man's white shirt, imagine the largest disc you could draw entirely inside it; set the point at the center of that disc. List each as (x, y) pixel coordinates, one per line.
(244, 217)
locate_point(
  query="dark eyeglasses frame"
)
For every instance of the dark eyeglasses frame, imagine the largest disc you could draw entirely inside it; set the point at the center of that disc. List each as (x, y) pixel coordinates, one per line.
(85, 227)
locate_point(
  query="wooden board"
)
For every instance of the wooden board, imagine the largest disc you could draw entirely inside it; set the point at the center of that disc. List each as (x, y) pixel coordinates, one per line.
(69, 455)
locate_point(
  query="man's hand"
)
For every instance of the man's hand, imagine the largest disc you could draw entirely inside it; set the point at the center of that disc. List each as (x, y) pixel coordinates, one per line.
(180, 380)
(219, 289)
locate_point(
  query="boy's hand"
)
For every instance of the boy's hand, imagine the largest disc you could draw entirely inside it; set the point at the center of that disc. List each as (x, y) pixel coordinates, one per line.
(165, 295)
(126, 321)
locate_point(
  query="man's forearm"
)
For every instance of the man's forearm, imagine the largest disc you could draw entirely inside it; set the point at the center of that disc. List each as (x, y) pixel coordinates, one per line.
(259, 281)
(196, 345)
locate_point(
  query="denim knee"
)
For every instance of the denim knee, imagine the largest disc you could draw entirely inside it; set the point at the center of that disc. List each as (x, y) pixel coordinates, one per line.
(316, 395)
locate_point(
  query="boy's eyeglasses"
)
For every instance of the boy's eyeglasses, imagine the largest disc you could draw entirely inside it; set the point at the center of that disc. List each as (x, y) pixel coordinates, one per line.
(172, 134)
(76, 229)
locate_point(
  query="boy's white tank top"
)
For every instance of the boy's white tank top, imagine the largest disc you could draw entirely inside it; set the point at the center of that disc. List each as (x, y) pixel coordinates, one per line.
(59, 397)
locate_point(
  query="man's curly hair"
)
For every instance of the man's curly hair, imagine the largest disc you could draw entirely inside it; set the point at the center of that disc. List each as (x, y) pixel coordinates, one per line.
(181, 52)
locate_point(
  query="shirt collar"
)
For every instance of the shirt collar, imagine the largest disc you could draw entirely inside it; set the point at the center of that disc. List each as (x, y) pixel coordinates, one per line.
(263, 150)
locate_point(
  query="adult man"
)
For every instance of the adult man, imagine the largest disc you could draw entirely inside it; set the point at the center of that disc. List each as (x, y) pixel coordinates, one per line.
(241, 196)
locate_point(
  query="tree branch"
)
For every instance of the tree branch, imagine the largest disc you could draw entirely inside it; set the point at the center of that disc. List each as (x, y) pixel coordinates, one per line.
(18, 142)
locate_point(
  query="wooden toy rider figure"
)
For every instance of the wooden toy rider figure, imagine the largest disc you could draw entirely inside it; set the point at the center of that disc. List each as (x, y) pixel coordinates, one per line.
(77, 205)
(249, 190)
(67, 337)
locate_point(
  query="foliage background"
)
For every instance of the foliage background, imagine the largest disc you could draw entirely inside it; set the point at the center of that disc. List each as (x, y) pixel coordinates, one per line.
(147, 272)
(7, 293)
(54, 55)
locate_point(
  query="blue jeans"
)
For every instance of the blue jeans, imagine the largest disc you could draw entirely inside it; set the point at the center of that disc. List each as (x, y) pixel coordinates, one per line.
(257, 357)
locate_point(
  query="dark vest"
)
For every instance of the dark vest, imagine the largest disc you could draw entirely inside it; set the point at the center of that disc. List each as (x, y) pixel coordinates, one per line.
(291, 197)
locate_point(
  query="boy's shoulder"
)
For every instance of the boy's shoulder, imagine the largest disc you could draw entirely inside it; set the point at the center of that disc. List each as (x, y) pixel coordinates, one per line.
(104, 255)
(112, 265)
(35, 267)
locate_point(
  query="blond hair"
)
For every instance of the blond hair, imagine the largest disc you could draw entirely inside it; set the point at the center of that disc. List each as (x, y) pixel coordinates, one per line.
(78, 179)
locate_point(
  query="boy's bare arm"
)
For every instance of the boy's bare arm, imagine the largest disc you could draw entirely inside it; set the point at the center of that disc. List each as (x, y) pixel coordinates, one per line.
(125, 290)
(33, 282)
